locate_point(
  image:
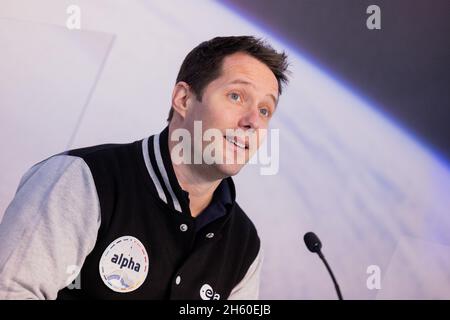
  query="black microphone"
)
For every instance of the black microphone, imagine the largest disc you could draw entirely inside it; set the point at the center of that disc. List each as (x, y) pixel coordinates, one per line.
(314, 245)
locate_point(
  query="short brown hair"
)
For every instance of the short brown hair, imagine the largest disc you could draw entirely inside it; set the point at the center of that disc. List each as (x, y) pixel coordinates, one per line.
(204, 63)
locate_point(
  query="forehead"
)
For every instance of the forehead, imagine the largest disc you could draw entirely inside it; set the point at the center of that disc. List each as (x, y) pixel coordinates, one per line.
(245, 67)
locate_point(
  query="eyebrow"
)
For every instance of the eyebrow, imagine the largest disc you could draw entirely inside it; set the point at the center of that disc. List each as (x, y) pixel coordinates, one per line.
(240, 81)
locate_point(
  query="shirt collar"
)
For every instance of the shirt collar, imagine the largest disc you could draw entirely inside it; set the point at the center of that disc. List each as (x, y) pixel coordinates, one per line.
(218, 206)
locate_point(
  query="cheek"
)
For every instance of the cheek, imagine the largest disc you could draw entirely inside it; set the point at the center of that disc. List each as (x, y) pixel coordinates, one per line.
(218, 112)
(200, 112)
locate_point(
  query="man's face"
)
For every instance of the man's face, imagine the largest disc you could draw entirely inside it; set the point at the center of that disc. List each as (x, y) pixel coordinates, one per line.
(244, 97)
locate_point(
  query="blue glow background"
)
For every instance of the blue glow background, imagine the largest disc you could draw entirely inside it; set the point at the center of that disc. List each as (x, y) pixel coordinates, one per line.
(351, 168)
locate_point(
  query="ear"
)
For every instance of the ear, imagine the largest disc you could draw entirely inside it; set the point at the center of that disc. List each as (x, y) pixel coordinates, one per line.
(180, 97)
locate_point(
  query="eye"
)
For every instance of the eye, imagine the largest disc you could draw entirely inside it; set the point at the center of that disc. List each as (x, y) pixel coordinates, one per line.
(265, 112)
(235, 96)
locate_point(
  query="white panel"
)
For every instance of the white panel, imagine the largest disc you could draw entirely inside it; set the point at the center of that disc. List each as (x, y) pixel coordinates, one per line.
(418, 270)
(46, 76)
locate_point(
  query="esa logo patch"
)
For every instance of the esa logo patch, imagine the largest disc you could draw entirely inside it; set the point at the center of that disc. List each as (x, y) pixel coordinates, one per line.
(207, 293)
(124, 264)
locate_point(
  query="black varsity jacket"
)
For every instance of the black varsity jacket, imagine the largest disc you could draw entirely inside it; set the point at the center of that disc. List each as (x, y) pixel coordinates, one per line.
(147, 246)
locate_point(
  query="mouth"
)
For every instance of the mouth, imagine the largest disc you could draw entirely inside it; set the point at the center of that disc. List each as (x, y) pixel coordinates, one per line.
(237, 143)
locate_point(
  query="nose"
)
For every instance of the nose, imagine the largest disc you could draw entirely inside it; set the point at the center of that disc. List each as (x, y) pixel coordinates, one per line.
(250, 120)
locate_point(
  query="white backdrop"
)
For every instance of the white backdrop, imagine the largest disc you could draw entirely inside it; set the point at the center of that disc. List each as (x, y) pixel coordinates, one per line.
(372, 194)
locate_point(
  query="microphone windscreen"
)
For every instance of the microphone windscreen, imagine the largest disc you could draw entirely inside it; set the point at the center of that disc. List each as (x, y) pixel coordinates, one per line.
(312, 242)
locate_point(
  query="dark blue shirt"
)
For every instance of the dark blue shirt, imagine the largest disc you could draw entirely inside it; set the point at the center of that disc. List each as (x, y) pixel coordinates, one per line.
(217, 207)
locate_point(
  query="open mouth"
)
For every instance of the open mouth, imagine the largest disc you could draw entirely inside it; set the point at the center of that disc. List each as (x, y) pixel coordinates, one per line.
(236, 143)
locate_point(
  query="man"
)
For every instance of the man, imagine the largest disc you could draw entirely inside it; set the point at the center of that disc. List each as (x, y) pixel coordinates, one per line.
(142, 220)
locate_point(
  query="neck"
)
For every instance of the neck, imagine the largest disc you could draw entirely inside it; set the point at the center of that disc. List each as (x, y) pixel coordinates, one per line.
(194, 179)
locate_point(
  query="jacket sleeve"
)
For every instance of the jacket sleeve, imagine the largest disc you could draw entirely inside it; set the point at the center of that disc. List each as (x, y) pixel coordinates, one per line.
(248, 288)
(48, 229)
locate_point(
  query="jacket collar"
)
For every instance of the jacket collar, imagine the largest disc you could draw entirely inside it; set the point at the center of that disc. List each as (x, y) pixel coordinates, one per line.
(159, 166)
